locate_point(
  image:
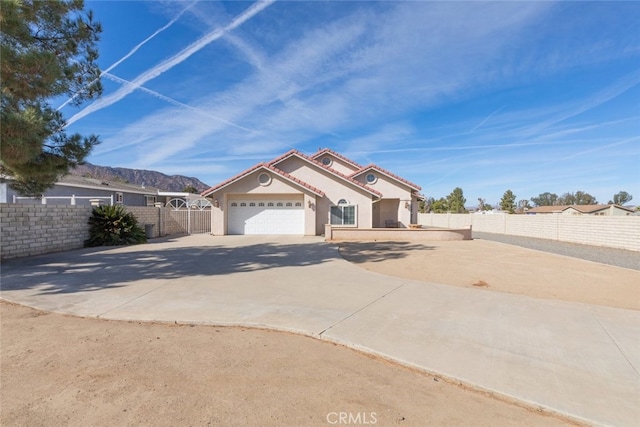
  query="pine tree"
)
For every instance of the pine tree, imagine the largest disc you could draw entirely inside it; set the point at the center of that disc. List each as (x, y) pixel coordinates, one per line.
(48, 49)
(508, 202)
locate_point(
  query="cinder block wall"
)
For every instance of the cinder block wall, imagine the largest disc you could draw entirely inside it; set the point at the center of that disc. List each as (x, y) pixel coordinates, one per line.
(29, 229)
(38, 229)
(147, 215)
(622, 232)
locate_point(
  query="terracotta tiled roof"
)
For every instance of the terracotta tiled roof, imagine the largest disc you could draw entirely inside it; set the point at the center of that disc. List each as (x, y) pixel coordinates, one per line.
(268, 167)
(338, 155)
(333, 171)
(388, 173)
(296, 180)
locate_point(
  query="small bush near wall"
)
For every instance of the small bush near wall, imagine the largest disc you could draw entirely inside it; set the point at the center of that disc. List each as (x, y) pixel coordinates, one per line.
(114, 226)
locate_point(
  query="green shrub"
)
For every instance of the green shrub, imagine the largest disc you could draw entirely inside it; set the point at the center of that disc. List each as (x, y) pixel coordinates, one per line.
(114, 226)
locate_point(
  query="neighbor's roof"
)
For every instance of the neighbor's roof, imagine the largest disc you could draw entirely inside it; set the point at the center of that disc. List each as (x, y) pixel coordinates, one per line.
(579, 208)
(102, 184)
(596, 208)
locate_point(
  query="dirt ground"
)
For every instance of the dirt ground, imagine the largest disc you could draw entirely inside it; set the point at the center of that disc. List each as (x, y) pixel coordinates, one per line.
(63, 370)
(493, 266)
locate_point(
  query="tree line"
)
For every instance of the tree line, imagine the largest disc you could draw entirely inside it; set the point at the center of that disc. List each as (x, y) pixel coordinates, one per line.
(455, 201)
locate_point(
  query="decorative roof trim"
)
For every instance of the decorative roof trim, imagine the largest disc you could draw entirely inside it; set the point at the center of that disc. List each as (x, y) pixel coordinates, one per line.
(268, 167)
(387, 173)
(324, 151)
(296, 153)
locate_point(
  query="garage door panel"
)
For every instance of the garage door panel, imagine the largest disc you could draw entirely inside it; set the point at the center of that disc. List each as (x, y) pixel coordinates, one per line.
(266, 217)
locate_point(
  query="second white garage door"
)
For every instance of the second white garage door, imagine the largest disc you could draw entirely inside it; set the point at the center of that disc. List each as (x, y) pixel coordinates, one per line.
(266, 217)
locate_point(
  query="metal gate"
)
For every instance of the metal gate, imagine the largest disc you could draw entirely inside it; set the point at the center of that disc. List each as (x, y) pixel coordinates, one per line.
(189, 216)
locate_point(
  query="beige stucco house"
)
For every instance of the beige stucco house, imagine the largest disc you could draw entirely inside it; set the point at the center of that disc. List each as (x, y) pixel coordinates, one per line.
(299, 194)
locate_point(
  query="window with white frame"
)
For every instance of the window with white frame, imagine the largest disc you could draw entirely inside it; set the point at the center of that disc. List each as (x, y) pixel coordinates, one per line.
(119, 198)
(343, 214)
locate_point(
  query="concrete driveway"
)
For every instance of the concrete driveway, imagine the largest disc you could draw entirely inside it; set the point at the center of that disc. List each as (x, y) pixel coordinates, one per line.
(575, 359)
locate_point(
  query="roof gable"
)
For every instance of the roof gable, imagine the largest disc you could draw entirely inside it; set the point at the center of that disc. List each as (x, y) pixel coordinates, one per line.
(596, 208)
(326, 151)
(341, 176)
(292, 179)
(388, 174)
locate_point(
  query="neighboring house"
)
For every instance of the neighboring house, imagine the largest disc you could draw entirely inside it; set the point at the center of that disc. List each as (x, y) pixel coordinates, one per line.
(299, 194)
(609, 210)
(78, 190)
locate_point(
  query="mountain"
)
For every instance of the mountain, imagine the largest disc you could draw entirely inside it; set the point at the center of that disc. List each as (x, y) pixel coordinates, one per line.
(139, 177)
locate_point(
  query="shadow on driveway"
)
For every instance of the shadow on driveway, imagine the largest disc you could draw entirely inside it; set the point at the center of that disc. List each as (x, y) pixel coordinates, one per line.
(361, 252)
(93, 269)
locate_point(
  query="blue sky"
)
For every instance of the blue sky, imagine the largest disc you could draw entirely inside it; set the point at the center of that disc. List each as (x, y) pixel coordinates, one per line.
(528, 96)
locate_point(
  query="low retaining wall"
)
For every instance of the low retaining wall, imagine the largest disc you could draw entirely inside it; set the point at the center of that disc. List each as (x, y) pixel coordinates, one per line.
(396, 234)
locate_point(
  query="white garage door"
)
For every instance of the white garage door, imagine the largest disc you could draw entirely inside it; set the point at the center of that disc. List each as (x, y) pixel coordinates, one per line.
(266, 216)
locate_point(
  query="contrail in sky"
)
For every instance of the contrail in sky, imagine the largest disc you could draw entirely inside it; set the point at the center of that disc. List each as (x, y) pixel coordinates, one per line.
(485, 120)
(171, 62)
(132, 51)
(175, 102)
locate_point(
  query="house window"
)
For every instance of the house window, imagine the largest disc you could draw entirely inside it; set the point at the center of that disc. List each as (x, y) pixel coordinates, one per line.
(270, 204)
(261, 204)
(252, 204)
(119, 198)
(343, 215)
(326, 161)
(298, 204)
(243, 204)
(289, 204)
(150, 200)
(279, 204)
(371, 178)
(234, 204)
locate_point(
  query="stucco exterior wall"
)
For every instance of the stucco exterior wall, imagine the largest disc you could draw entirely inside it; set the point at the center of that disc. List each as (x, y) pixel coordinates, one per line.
(396, 234)
(391, 189)
(621, 232)
(249, 187)
(334, 188)
(338, 164)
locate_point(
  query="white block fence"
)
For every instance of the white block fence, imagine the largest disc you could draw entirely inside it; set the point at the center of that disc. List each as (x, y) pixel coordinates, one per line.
(622, 232)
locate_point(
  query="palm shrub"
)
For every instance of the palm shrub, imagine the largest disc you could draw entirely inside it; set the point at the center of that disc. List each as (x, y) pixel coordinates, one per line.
(114, 226)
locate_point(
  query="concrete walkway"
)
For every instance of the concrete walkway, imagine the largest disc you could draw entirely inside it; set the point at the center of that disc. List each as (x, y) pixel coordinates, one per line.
(576, 359)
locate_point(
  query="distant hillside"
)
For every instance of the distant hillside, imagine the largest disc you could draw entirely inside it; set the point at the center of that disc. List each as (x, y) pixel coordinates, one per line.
(139, 177)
